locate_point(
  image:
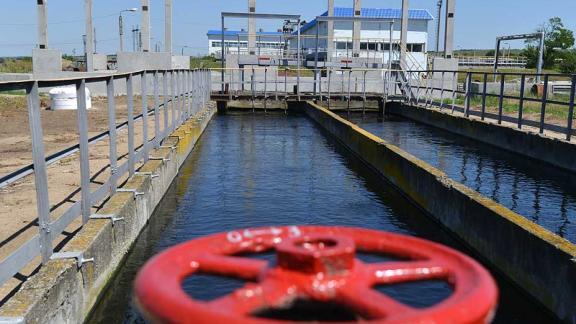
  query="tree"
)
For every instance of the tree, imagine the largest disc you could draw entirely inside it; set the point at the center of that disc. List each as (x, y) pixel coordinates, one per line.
(568, 64)
(557, 39)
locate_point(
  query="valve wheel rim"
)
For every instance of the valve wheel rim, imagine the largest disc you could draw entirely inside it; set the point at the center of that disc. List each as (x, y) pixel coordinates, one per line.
(161, 298)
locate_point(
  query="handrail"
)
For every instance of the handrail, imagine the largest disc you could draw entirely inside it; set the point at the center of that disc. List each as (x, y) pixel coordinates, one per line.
(189, 91)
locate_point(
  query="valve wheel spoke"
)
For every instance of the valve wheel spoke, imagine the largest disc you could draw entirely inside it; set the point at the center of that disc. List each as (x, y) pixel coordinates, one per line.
(231, 266)
(251, 298)
(397, 272)
(372, 304)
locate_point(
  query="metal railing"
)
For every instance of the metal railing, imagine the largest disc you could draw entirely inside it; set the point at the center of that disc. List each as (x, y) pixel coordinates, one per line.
(502, 97)
(184, 93)
(512, 97)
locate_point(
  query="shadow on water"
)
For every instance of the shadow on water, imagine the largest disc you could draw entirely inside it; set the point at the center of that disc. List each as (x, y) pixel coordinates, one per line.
(308, 178)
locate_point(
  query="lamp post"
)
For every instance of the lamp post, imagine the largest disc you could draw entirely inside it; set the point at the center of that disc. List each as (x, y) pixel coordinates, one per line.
(183, 47)
(121, 26)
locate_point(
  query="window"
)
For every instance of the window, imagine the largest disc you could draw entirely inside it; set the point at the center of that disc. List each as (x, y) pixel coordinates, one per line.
(416, 48)
(341, 45)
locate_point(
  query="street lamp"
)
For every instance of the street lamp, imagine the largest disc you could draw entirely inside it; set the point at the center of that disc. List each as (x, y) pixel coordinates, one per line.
(121, 26)
(183, 47)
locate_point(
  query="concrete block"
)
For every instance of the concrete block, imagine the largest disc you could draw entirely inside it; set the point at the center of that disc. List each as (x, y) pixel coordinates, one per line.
(46, 62)
(181, 62)
(130, 62)
(100, 62)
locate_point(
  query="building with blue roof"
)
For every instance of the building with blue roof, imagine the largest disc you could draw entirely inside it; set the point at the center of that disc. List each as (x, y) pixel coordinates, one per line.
(375, 36)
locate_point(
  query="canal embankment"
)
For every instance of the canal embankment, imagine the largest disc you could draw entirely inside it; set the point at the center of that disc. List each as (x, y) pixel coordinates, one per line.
(66, 290)
(540, 262)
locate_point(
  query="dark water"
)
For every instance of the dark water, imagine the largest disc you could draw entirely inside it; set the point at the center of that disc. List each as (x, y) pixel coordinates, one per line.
(538, 192)
(256, 170)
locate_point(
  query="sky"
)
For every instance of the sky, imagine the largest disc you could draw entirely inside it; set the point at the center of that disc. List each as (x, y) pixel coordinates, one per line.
(478, 23)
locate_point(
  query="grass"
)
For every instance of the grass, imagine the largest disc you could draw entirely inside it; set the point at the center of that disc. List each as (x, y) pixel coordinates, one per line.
(557, 114)
(16, 65)
(478, 76)
(204, 62)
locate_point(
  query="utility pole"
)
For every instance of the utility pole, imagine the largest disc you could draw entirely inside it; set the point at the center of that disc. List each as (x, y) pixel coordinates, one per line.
(251, 28)
(168, 26)
(89, 36)
(404, 33)
(357, 29)
(145, 25)
(42, 24)
(438, 24)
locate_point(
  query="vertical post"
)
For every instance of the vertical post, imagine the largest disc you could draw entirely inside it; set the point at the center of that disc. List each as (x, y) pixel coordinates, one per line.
(449, 29)
(484, 88)
(329, 82)
(144, 96)
(540, 56)
(298, 58)
(165, 101)
(438, 23)
(468, 93)
(42, 24)
(40, 174)
(454, 77)
(571, 109)
(404, 32)
(501, 97)
(168, 26)
(222, 56)
(188, 93)
(145, 25)
(316, 58)
(173, 102)
(251, 28)
(113, 135)
(442, 90)
(390, 49)
(156, 111)
(330, 32)
(357, 29)
(89, 36)
(544, 102)
(496, 57)
(131, 155)
(82, 115)
(521, 104)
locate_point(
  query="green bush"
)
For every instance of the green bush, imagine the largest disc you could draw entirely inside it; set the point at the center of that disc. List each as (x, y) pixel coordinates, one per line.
(568, 64)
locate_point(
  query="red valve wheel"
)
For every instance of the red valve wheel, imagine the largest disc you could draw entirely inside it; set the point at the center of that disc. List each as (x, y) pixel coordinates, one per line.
(314, 263)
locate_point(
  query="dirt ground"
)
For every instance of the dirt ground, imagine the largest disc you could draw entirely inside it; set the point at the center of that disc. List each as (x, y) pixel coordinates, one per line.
(18, 217)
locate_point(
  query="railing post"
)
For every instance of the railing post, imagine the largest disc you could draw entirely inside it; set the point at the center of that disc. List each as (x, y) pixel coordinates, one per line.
(443, 81)
(521, 104)
(571, 109)
(484, 88)
(501, 98)
(189, 93)
(40, 174)
(174, 104)
(454, 80)
(131, 155)
(156, 111)
(82, 115)
(544, 103)
(468, 93)
(165, 101)
(144, 95)
(112, 135)
(364, 94)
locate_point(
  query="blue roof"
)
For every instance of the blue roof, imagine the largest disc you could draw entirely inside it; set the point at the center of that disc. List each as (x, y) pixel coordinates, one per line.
(413, 14)
(237, 32)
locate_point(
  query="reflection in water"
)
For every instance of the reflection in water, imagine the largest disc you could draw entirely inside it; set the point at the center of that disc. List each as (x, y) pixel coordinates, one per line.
(539, 192)
(256, 170)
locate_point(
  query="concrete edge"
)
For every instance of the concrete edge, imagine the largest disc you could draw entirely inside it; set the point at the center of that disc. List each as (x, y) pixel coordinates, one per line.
(540, 262)
(553, 151)
(63, 292)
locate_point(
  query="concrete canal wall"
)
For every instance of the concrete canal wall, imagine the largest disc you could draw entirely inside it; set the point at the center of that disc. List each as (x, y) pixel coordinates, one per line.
(540, 262)
(64, 292)
(556, 152)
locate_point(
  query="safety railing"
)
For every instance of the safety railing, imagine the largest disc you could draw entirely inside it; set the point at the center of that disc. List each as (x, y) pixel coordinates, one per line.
(176, 96)
(542, 101)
